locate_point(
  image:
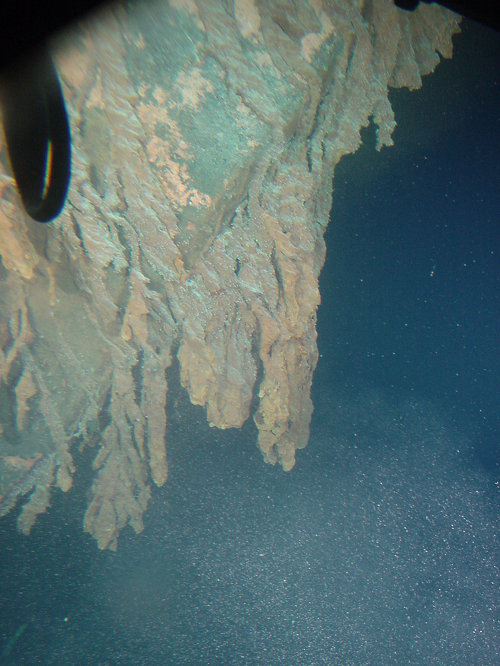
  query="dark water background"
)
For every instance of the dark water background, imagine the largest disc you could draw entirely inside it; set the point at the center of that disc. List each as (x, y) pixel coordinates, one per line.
(379, 547)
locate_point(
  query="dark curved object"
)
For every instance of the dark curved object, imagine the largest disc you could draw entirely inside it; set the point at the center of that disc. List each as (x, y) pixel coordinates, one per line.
(37, 135)
(27, 24)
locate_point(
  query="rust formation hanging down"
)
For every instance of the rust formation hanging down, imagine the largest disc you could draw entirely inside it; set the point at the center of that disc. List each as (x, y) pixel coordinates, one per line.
(205, 137)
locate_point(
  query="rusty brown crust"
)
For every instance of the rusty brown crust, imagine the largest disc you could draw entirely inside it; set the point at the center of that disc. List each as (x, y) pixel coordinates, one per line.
(205, 137)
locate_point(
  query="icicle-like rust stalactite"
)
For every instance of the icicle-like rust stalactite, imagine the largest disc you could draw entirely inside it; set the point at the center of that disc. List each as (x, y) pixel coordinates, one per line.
(205, 138)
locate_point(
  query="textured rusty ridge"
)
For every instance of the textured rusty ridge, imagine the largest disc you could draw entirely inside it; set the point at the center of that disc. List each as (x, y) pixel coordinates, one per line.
(205, 137)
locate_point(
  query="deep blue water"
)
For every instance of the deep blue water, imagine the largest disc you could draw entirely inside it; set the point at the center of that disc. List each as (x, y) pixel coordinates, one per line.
(379, 547)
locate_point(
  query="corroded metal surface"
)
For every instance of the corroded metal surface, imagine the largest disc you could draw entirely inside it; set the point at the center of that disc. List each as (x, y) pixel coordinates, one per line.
(205, 137)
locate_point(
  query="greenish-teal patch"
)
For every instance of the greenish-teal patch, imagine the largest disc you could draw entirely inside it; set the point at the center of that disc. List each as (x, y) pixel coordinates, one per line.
(161, 130)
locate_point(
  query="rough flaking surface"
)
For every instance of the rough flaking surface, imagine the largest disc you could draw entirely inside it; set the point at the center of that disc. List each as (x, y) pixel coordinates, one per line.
(205, 137)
